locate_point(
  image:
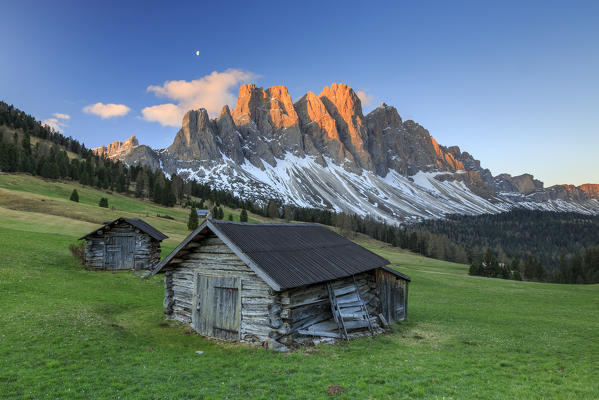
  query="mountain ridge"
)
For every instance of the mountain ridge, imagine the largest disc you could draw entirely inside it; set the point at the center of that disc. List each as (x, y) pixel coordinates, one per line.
(323, 152)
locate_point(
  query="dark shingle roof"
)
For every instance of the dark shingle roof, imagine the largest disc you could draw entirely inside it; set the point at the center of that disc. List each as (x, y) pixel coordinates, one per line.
(139, 224)
(290, 255)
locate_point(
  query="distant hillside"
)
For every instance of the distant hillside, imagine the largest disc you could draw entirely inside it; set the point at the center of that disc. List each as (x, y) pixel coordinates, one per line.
(520, 233)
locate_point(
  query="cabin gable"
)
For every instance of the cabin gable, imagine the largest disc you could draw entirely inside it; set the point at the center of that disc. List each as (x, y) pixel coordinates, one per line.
(207, 259)
(120, 245)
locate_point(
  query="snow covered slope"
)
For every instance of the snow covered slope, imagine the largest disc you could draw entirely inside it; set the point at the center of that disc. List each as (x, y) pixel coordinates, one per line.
(322, 152)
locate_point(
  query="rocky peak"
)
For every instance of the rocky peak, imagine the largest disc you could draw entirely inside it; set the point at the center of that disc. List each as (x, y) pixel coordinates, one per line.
(270, 108)
(384, 117)
(345, 108)
(591, 190)
(229, 136)
(344, 99)
(196, 138)
(320, 130)
(267, 121)
(117, 148)
(524, 184)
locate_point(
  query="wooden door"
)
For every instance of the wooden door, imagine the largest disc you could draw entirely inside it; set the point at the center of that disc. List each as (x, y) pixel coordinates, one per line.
(120, 252)
(217, 306)
(392, 294)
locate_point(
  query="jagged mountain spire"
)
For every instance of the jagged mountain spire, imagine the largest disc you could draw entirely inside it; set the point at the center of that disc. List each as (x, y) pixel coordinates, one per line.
(323, 151)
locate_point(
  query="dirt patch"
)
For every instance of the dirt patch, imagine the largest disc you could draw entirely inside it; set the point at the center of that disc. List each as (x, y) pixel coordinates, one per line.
(117, 327)
(333, 390)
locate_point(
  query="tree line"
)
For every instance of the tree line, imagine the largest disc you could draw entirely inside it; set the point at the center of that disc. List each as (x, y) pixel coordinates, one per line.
(542, 246)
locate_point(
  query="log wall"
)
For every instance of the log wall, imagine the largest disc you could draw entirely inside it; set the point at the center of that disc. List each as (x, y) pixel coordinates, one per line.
(147, 249)
(207, 254)
(308, 305)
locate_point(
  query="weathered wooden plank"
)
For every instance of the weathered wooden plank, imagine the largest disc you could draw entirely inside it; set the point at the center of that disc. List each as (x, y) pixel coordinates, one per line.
(319, 333)
(256, 300)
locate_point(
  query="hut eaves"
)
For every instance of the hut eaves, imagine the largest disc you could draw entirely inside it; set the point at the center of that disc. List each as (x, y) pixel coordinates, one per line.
(289, 255)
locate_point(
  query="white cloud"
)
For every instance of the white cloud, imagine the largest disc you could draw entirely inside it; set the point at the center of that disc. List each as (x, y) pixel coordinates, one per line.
(107, 110)
(211, 92)
(58, 122)
(53, 123)
(365, 97)
(167, 114)
(62, 116)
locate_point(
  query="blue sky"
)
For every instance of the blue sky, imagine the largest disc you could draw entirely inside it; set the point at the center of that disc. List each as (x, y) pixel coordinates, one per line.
(516, 84)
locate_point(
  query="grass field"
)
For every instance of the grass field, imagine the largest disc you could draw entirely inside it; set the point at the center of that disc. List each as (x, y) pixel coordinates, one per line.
(71, 333)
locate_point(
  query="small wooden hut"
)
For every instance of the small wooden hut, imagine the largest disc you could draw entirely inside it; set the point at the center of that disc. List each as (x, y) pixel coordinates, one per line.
(123, 244)
(279, 284)
(203, 213)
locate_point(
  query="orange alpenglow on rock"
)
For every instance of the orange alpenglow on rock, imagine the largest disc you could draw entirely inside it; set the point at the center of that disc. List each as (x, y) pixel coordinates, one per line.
(322, 151)
(116, 148)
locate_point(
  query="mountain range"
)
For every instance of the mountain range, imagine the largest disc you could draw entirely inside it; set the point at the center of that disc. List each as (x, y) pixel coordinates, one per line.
(323, 152)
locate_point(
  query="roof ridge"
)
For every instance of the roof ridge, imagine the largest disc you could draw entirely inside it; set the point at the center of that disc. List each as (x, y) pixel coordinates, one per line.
(220, 221)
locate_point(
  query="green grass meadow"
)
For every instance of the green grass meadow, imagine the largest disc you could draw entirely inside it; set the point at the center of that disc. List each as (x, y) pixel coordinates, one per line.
(66, 332)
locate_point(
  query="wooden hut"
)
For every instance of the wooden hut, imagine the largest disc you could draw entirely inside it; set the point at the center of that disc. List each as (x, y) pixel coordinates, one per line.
(203, 213)
(123, 244)
(279, 284)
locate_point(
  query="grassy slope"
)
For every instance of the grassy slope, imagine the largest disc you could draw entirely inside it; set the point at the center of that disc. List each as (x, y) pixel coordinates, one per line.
(67, 332)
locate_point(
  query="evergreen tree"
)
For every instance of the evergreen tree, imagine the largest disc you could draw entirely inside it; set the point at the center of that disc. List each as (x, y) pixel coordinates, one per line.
(26, 143)
(516, 275)
(272, 210)
(215, 213)
(474, 269)
(192, 222)
(103, 202)
(243, 217)
(74, 196)
(230, 217)
(157, 193)
(221, 213)
(140, 184)
(287, 213)
(121, 183)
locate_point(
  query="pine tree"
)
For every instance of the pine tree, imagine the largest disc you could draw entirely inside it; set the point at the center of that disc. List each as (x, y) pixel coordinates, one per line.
(74, 196)
(516, 275)
(103, 202)
(230, 217)
(120, 183)
(26, 143)
(288, 213)
(221, 213)
(272, 211)
(140, 184)
(215, 213)
(243, 217)
(475, 269)
(157, 193)
(192, 222)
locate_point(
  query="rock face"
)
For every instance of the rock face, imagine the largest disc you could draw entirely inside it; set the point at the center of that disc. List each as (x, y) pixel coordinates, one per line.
(324, 152)
(117, 149)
